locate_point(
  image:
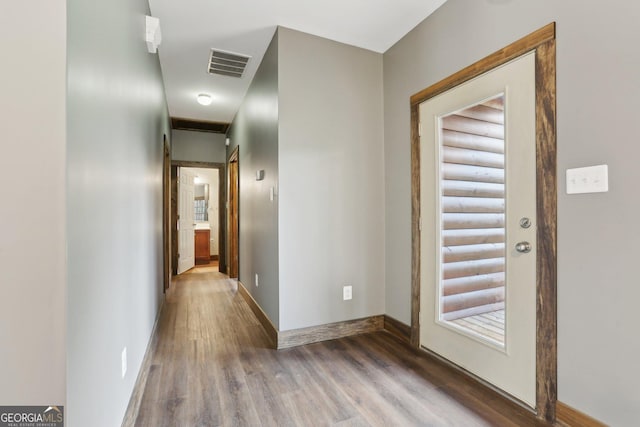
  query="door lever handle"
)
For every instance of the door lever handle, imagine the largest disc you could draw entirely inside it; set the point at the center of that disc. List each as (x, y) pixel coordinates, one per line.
(523, 247)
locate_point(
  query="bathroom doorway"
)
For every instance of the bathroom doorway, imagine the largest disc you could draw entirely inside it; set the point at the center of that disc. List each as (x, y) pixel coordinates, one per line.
(206, 216)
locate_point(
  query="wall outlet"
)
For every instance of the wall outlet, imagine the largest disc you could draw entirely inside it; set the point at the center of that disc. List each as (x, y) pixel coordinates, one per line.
(124, 362)
(257, 281)
(347, 292)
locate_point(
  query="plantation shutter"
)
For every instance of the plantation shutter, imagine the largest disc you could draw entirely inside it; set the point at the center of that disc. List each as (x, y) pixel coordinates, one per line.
(473, 210)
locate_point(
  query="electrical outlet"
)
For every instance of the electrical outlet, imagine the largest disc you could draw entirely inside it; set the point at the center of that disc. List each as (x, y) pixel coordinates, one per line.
(257, 281)
(347, 292)
(124, 362)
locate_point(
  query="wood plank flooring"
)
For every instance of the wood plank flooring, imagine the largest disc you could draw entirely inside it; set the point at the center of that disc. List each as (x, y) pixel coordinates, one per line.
(490, 324)
(211, 366)
(211, 264)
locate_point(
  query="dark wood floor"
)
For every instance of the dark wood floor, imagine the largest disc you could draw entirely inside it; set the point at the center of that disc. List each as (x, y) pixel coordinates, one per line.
(211, 366)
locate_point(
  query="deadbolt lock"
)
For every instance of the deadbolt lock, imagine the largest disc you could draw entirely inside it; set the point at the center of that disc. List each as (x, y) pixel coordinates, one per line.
(525, 222)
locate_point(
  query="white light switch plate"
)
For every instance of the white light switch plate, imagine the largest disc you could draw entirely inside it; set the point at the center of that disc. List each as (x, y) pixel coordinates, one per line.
(592, 179)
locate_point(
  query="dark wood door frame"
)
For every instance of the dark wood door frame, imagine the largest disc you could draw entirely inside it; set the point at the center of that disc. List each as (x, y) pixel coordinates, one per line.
(543, 43)
(166, 212)
(222, 197)
(234, 214)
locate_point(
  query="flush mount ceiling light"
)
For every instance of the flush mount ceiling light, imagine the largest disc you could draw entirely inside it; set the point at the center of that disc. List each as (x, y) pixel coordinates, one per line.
(204, 99)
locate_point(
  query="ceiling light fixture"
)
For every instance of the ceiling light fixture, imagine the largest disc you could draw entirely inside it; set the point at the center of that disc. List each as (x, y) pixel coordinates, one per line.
(204, 99)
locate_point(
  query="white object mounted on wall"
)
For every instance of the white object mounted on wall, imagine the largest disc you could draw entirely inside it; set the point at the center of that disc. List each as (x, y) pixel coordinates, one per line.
(591, 179)
(260, 175)
(153, 37)
(227, 141)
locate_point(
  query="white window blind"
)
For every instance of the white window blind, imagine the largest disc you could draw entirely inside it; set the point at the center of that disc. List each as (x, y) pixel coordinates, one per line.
(473, 210)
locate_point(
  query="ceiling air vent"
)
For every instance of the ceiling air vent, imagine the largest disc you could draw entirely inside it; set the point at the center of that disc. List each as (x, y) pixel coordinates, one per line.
(227, 63)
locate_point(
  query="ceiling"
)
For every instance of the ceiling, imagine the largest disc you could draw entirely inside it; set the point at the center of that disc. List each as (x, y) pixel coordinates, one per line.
(191, 28)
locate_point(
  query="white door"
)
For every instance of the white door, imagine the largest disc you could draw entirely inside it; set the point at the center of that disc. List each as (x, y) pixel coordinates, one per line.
(186, 244)
(478, 207)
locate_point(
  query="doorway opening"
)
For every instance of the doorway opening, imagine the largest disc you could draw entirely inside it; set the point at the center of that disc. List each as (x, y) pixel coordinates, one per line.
(198, 212)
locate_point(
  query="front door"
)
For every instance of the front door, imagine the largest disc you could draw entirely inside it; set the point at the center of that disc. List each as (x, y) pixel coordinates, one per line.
(186, 243)
(478, 204)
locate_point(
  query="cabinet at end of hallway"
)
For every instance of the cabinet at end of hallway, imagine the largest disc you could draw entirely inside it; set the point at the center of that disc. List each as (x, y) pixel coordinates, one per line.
(202, 250)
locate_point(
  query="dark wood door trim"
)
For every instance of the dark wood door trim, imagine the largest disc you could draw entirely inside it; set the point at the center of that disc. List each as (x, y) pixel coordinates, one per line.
(166, 212)
(180, 123)
(526, 44)
(222, 197)
(222, 216)
(234, 214)
(547, 199)
(205, 165)
(543, 43)
(173, 223)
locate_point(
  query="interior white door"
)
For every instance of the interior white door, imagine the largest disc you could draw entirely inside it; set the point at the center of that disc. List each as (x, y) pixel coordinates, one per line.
(186, 244)
(478, 207)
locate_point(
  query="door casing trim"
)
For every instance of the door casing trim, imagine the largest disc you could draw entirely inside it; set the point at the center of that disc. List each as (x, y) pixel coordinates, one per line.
(542, 42)
(234, 157)
(166, 212)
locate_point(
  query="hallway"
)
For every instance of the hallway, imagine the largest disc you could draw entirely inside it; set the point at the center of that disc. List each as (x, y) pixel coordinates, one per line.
(211, 367)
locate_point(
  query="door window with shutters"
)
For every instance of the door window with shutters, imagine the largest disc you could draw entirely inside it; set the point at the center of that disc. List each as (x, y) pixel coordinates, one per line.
(478, 226)
(472, 228)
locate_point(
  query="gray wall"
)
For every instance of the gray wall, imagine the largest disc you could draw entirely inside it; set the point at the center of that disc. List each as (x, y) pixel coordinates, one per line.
(331, 197)
(32, 246)
(255, 131)
(598, 98)
(117, 117)
(197, 146)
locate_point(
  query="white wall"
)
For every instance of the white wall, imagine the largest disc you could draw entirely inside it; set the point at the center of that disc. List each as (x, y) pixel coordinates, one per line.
(192, 146)
(32, 247)
(331, 192)
(598, 100)
(214, 213)
(117, 116)
(255, 131)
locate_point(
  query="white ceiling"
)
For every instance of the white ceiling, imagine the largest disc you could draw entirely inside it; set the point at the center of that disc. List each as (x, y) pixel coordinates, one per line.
(190, 28)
